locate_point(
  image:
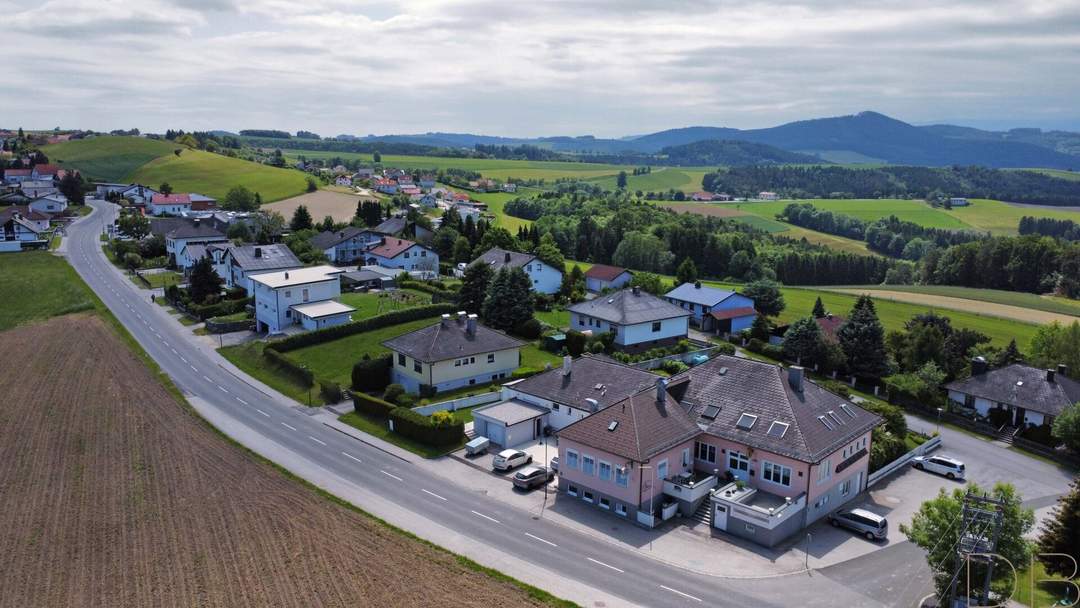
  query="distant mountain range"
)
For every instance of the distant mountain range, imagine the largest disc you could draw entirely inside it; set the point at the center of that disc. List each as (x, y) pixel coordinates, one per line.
(867, 137)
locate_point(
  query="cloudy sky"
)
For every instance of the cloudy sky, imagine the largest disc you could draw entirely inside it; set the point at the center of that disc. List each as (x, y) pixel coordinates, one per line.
(526, 68)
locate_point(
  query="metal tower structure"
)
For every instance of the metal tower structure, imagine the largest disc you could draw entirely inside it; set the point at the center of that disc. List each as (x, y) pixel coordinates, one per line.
(980, 527)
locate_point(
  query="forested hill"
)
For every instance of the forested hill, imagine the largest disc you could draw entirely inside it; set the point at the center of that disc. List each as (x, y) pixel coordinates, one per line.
(895, 182)
(731, 153)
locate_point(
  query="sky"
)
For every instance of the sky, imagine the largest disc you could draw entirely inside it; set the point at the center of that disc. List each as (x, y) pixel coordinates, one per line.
(533, 68)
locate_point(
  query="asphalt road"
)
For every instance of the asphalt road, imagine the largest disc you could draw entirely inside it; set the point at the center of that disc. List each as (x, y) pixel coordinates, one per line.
(895, 576)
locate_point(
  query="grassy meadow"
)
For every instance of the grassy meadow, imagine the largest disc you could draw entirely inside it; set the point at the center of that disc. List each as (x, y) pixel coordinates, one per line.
(995, 296)
(868, 209)
(38, 285)
(493, 168)
(111, 159)
(1001, 218)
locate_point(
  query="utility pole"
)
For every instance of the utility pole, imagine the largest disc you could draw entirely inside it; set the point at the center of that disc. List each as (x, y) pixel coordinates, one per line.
(980, 526)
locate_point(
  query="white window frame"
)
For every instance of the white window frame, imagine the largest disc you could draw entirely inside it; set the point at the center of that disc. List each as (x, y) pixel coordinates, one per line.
(572, 490)
(704, 449)
(845, 487)
(622, 477)
(824, 471)
(573, 459)
(602, 501)
(600, 470)
(742, 461)
(588, 496)
(774, 473)
(662, 469)
(620, 509)
(686, 457)
(591, 467)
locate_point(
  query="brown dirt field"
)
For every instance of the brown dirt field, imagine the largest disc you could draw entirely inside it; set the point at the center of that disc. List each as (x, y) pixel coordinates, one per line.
(713, 210)
(113, 494)
(992, 309)
(321, 203)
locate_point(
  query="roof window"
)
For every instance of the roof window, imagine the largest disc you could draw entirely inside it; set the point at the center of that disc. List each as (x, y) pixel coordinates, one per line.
(746, 421)
(777, 429)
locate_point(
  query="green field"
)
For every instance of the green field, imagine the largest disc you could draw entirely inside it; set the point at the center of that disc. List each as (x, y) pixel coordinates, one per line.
(1002, 218)
(496, 201)
(868, 209)
(1012, 298)
(150, 162)
(763, 223)
(1073, 175)
(372, 304)
(662, 179)
(38, 285)
(493, 168)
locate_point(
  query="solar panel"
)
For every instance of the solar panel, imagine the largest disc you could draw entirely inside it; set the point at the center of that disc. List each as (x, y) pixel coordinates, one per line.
(746, 421)
(777, 429)
(710, 412)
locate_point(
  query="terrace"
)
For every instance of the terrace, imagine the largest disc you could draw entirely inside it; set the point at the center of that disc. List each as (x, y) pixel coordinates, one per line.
(757, 507)
(690, 488)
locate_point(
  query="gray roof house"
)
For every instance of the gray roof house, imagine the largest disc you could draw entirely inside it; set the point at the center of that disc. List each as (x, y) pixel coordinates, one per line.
(1032, 396)
(544, 277)
(346, 245)
(240, 262)
(638, 319)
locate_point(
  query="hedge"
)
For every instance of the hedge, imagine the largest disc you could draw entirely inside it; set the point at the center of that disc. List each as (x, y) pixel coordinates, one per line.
(221, 309)
(298, 372)
(423, 429)
(330, 334)
(437, 295)
(372, 406)
(372, 374)
(330, 391)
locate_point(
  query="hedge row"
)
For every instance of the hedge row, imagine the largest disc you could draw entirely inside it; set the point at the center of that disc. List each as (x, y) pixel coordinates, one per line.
(330, 391)
(424, 429)
(225, 307)
(437, 295)
(298, 372)
(372, 374)
(330, 334)
(372, 406)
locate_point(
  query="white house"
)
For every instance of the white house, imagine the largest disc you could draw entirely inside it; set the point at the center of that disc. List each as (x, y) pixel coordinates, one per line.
(195, 232)
(403, 254)
(39, 221)
(545, 278)
(170, 204)
(638, 319)
(19, 233)
(14, 177)
(1023, 395)
(714, 309)
(278, 293)
(346, 246)
(768, 196)
(238, 264)
(36, 189)
(959, 201)
(601, 277)
(138, 194)
(51, 203)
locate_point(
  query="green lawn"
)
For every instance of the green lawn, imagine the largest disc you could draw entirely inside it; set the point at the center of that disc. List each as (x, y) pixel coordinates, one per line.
(1011, 298)
(1002, 218)
(1046, 594)
(334, 360)
(159, 280)
(380, 429)
(214, 174)
(249, 358)
(372, 304)
(915, 211)
(532, 356)
(54, 242)
(108, 158)
(497, 200)
(238, 316)
(556, 318)
(37, 285)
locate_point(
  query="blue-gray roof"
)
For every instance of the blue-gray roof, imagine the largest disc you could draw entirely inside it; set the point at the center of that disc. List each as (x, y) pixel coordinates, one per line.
(699, 294)
(629, 307)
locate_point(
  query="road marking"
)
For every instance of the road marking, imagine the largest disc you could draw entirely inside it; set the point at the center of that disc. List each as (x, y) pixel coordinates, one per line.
(223, 389)
(603, 564)
(348, 455)
(262, 412)
(676, 591)
(318, 441)
(193, 368)
(485, 517)
(182, 358)
(546, 542)
(207, 378)
(174, 351)
(242, 401)
(430, 493)
(291, 428)
(391, 475)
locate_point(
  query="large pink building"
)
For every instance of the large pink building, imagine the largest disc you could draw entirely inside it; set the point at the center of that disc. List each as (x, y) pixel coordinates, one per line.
(762, 449)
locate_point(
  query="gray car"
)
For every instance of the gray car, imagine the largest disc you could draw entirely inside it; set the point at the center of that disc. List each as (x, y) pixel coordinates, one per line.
(531, 477)
(870, 525)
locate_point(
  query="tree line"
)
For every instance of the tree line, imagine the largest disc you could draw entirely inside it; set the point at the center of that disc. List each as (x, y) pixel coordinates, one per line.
(1062, 229)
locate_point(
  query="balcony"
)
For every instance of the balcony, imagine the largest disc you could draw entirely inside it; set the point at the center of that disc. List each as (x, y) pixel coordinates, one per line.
(758, 507)
(689, 487)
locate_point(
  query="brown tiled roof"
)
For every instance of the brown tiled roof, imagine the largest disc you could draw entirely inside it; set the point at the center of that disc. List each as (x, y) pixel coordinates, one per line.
(636, 428)
(733, 313)
(391, 247)
(602, 272)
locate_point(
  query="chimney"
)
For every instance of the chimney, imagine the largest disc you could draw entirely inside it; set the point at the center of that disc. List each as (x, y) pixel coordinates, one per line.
(341, 235)
(594, 405)
(445, 320)
(1049, 375)
(697, 284)
(795, 377)
(567, 363)
(978, 366)
(636, 290)
(258, 252)
(661, 390)
(1062, 369)
(506, 257)
(461, 317)
(470, 327)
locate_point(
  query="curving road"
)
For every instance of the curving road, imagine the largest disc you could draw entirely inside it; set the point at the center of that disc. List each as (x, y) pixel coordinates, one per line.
(498, 535)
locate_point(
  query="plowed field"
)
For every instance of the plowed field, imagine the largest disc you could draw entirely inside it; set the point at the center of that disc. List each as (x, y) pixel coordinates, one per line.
(112, 494)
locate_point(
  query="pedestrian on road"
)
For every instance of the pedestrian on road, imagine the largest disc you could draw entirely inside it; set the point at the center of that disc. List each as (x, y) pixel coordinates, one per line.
(151, 298)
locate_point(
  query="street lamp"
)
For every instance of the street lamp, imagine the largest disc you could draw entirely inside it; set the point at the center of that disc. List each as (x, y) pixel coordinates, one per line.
(939, 412)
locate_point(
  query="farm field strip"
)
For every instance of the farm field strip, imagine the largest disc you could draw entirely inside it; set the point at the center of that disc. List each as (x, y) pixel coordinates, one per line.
(1004, 311)
(321, 203)
(1033, 301)
(915, 211)
(1001, 218)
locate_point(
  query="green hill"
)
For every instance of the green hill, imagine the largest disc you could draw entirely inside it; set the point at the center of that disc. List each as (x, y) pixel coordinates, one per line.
(150, 162)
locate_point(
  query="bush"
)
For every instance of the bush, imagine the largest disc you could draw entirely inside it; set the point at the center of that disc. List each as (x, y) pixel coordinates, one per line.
(425, 429)
(392, 392)
(437, 289)
(297, 372)
(236, 293)
(372, 406)
(885, 448)
(222, 309)
(1041, 434)
(895, 422)
(405, 400)
(330, 391)
(330, 334)
(724, 348)
(530, 329)
(372, 374)
(674, 367)
(575, 343)
(524, 372)
(442, 417)
(755, 345)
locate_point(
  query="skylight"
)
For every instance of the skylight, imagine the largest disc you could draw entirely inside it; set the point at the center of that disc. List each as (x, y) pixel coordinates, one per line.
(847, 410)
(612, 425)
(746, 421)
(723, 370)
(710, 412)
(827, 424)
(835, 418)
(777, 429)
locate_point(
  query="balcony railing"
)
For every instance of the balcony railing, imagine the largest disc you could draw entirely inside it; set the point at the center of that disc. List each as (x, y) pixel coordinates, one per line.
(690, 486)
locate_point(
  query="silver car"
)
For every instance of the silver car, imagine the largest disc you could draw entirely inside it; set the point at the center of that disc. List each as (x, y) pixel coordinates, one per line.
(534, 476)
(870, 525)
(510, 459)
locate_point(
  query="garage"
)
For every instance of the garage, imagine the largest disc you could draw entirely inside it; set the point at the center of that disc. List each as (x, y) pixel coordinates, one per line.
(510, 423)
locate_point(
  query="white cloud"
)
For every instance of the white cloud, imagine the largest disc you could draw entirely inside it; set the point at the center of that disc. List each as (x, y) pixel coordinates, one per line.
(556, 67)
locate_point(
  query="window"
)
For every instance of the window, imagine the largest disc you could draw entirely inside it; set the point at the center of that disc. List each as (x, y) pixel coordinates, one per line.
(845, 487)
(587, 496)
(423, 254)
(686, 457)
(572, 490)
(705, 452)
(587, 464)
(581, 321)
(776, 473)
(750, 529)
(528, 268)
(620, 509)
(746, 421)
(555, 407)
(738, 461)
(401, 360)
(661, 469)
(605, 503)
(491, 357)
(457, 362)
(605, 471)
(406, 255)
(622, 477)
(656, 326)
(288, 293)
(417, 367)
(571, 459)
(824, 471)
(305, 294)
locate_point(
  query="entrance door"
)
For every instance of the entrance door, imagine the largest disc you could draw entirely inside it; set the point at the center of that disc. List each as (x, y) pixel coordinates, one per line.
(1019, 420)
(719, 519)
(538, 429)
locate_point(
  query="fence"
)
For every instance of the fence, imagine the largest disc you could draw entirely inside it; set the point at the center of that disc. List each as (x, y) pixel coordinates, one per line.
(457, 404)
(931, 444)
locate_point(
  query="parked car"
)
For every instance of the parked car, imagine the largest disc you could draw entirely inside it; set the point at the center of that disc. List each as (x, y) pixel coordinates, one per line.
(870, 525)
(510, 459)
(555, 463)
(942, 465)
(531, 477)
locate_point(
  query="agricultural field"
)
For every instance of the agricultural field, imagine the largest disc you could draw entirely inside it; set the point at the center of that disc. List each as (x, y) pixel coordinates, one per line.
(915, 211)
(1050, 304)
(497, 200)
(321, 203)
(116, 495)
(984, 307)
(1001, 218)
(661, 179)
(38, 285)
(493, 168)
(147, 161)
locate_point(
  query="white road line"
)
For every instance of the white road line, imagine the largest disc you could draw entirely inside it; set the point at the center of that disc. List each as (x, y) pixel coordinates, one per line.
(348, 455)
(485, 517)
(291, 428)
(174, 351)
(262, 412)
(676, 591)
(207, 378)
(430, 493)
(182, 358)
(223, 389)
(546, 542)
(193, 368)
(602, 563)
(242, 401)
(318, 441)
(391, 475)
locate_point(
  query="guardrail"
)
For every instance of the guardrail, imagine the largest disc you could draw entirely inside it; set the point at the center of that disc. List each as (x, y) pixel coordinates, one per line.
(931, 444)
(457, 404)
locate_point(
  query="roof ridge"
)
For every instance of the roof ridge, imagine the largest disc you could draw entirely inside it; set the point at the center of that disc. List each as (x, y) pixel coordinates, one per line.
(633, 422)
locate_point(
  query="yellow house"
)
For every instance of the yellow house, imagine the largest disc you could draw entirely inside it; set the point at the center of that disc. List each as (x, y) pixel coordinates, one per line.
(452, 353)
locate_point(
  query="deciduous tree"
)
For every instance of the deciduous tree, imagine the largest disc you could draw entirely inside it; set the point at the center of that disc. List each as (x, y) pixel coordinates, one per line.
(1061, 533)
(767, 297)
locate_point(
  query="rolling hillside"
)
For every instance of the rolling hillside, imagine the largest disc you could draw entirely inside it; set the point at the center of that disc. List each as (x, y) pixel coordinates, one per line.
(148, 161)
